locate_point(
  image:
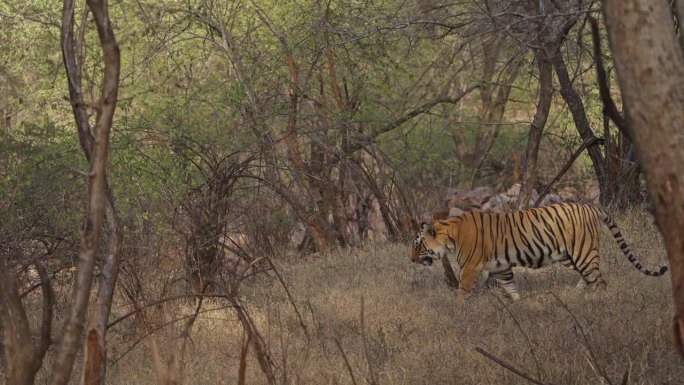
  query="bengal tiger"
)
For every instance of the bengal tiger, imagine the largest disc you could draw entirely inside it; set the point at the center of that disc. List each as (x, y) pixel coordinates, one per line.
(567, 233)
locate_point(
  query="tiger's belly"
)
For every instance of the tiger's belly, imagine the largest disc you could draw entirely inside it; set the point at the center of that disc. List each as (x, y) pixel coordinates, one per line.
(502, 262)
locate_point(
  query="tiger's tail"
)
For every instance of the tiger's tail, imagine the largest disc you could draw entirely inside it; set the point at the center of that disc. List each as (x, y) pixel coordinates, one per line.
(608, 220)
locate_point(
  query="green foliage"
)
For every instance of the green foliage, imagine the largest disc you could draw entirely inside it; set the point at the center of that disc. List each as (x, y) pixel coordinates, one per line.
(424, 155)
(203, 77)
(42, 185)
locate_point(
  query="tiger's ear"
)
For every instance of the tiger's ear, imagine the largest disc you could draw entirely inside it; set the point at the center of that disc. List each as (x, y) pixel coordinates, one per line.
(427, 228)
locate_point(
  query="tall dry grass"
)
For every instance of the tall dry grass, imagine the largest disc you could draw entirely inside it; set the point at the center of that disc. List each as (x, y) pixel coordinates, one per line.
(372, 317)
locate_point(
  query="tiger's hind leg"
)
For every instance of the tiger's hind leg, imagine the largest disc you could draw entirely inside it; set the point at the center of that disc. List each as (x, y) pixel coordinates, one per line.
(588, 267)
(505, 279)
(567, 262)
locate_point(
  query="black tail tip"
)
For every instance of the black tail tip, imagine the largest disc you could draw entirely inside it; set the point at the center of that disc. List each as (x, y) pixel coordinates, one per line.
(662, 271)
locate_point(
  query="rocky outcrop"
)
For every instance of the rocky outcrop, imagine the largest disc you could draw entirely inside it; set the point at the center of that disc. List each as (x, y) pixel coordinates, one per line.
(458, 201)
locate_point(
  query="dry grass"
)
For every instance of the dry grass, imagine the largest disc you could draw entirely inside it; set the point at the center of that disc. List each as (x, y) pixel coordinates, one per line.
(372, 317)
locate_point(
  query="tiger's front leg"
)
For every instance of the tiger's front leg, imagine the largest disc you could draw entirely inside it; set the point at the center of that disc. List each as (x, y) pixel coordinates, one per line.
(469, 276)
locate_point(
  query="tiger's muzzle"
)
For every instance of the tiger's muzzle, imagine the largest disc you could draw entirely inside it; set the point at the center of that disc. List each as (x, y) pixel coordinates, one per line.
(425, 260)
(421, 254)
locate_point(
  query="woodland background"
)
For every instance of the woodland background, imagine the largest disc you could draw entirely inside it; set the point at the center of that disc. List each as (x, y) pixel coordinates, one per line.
(230, 146)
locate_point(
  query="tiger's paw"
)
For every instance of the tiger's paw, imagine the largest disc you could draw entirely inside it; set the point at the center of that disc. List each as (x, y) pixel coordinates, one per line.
(514, 297)
(461, 297)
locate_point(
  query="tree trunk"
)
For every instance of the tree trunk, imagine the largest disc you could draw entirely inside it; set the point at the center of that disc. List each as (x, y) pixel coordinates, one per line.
(100, 204)
(650, 69)
(579, 116)
(537, 127)
(629, 186)
(621, 169)
(494, 96)
(24, 356)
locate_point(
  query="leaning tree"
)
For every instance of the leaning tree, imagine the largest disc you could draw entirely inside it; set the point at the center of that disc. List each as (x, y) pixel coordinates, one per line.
(650, 65)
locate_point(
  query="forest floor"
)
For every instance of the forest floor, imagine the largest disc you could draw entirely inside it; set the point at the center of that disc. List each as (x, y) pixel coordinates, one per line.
(370, 316)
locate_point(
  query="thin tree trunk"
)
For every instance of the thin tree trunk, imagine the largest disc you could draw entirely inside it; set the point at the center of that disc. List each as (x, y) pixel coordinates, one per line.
(96, 354)
(537, 127)
(628, 186)
(493, 115)
(100, 204)
(579, 116)
(321, 231)
(96, 351)
(622, 173)
(650, 69)
(23, 356)
(494, 96)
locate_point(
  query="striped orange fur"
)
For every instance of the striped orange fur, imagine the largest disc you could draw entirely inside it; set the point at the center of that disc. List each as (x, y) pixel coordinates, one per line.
(567, 233)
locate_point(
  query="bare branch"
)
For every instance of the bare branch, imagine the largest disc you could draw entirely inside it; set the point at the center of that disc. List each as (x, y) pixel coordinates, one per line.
(242, 369)
(609, 107)
(585, 339)
(289, 297)
(346, 361)
(361, 141)
(566, 167)
(509, 366)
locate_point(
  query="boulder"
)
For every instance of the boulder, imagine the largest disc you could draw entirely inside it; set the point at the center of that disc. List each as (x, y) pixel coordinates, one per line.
(568, 194)
(451, 191)
(455, 211)
(514, 190)
(551, 199)
(297, 235)
(460, 202)
(533, 197)
(480, 195)
(440, 214)
(499, 203)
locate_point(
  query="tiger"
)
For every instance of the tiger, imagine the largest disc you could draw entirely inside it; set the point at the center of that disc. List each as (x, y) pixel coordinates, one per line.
(496, 242)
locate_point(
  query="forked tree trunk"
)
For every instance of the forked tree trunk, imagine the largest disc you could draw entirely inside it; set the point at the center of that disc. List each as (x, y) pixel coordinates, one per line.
(650, 68)
(101, 203)
(537, 127)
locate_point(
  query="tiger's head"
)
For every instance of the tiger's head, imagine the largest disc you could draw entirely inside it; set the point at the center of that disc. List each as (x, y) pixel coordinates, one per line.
(426, 248)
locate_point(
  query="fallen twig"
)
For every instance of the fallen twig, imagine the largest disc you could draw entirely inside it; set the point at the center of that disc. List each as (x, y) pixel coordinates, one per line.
(509, 366)
(346, 361)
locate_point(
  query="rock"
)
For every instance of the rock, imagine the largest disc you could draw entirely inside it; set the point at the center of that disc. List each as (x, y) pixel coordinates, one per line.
(297, 235)
(499, 203)
(594, 194)
(514, 190)
(551, 199)
(455, 211)
(460, 203)
(568, 194)
(534, 196)
(480, 195)
(440, 214)
(455, 191)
